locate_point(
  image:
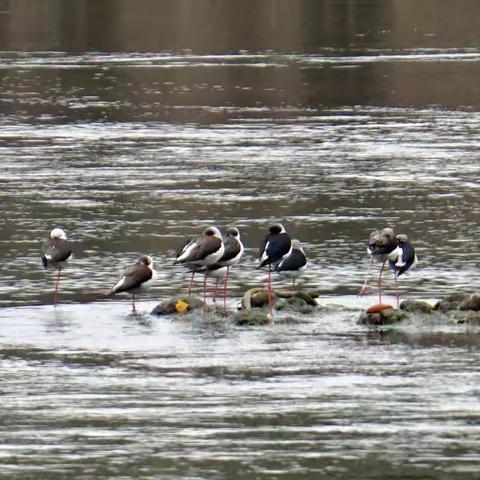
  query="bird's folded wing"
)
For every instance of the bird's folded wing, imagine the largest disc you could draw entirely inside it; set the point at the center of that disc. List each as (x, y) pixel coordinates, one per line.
(232, 249)
(294, 261)
(56, 250)
(204, 247)
(134, 277)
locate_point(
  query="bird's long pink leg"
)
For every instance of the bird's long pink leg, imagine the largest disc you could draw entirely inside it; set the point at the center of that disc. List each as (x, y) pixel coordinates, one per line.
(397, 293)
(55, 295)
(204, 293)
(269, 291)
(215, 291)
(379, 282)
(191, 283)
(133, 303)
(225, 288)
(363, 289)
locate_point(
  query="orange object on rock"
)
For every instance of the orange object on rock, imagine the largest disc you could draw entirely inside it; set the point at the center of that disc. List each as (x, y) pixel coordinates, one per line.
(379, 307)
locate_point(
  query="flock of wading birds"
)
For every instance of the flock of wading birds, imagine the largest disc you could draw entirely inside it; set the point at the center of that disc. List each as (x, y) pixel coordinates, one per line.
(212, 255)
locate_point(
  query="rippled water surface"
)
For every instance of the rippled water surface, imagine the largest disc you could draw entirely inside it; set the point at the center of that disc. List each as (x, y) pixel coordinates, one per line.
(132, 150)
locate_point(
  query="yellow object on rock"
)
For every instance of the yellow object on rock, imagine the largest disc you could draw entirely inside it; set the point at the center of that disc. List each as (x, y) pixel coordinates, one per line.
(181, 306)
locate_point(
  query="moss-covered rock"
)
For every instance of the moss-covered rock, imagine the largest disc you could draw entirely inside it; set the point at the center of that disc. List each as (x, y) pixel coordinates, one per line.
(294, 304)
(294, 300)
(387, 316)
(471, 303)
(451, 302)
(179, 304)
(252, 316)
(315, 293)
(259, 299)
(457, 308)
(301, 294)
(416, 306)
(465, 316)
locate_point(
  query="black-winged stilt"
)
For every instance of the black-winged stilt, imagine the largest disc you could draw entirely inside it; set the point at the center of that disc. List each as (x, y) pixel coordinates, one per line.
(293, 265)
(190, 266)
(205, 250)
(401, 259)
(136, 278)
(217, 271)
(233, 253)
(56, 251)
(384, 245)
(380, 244)
(275, 247)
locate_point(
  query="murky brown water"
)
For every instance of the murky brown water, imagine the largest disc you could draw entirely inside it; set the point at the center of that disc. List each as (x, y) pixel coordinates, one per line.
(133, 128)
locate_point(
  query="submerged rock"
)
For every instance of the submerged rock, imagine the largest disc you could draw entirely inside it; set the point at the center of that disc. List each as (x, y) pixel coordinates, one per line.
(465, 316)
(252, 316)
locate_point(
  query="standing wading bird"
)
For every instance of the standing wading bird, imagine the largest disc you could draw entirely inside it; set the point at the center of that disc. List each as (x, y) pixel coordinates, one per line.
(233, 253)
(380, 244)
(56, 250)
(137, 278)
(401, 259)
(190, 266)
(276, 246)
(293, 265)
(205, 250)
(383, 245)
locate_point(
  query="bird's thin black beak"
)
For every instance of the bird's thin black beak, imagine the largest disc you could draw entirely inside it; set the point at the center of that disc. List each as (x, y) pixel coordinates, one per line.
(374, 250)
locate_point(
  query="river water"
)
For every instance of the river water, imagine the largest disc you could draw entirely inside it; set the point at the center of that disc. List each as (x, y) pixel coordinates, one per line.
(136, 128)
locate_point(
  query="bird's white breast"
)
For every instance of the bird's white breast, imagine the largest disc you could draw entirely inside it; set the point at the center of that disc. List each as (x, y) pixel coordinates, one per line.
(397, 254)
(264, 254)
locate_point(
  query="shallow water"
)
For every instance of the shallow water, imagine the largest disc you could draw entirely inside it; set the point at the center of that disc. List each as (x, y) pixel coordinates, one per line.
(89, 391)
(121, 189)
(131, 149)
